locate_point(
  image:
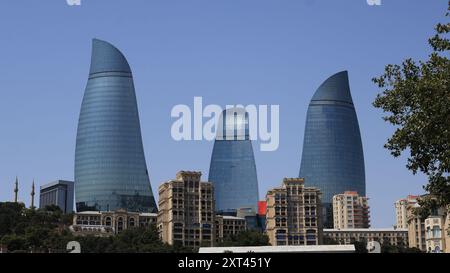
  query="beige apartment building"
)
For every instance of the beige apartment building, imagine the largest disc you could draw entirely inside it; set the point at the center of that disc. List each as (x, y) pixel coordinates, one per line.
(416, 228)
(437, 232)
(106, 223)
(401, 208)
(430, 234)
(293, 215)
(350, 211)
(187, 211)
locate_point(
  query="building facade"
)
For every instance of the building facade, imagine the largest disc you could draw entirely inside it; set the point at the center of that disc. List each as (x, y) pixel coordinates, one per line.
(401, 207)
(106, 223)
(227, 226)
(396, 237)
(110, 168)
(59, 193)
(332, 157)
(187, 211)
(293, 214)
(233, 168)
(261, 216)
(350, 211)
(416, 228)
(435, 231)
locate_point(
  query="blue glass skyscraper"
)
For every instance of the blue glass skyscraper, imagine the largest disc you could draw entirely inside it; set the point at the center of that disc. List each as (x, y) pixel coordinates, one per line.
(110, 167)
(332, 157)
(233, 169)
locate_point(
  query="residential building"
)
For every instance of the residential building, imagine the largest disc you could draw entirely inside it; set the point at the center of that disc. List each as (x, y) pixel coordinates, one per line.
(110, 167)
(332, 157)
(416, 228)
(59, 193)
(401, 207)
(435, 234)
(293, 214)
(187, 211)
(350, 211)
(437, 231)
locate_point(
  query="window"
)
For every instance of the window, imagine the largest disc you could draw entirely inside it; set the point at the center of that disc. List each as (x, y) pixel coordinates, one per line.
(119, 224)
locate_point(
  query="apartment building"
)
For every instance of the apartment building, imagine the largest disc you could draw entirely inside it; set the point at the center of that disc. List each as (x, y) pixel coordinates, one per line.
(293, 215)
(350, 211)
(187, 211)
(401, 207)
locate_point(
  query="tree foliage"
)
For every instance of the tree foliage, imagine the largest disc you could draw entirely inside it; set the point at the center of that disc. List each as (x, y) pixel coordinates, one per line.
(416, 100)
(246, 238)
(47, 230)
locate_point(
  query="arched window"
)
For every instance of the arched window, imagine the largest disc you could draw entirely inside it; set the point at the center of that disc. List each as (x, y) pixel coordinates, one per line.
(108, 221)
(119, 224)
(131, 222)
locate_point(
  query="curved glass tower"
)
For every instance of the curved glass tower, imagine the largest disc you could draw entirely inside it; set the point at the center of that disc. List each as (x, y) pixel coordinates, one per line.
(232, 168)
(332, 157)
(110, 168)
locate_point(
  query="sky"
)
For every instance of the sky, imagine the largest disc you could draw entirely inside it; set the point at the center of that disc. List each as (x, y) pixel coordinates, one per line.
(274, 52)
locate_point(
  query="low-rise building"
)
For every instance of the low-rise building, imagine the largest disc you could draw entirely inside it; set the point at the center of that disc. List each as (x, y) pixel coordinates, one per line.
(227, 226)
(396, 237)
(293, 214)
(59, 193)
(105, 223)
(281, 249)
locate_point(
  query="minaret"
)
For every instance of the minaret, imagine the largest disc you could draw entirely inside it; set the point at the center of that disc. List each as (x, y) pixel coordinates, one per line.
(16, 190)
(32, 195)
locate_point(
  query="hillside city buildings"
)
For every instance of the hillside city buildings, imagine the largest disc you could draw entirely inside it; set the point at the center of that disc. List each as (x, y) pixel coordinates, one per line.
(326, 204)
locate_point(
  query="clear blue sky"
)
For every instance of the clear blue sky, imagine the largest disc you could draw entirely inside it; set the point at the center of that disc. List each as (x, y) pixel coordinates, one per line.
(229, 52)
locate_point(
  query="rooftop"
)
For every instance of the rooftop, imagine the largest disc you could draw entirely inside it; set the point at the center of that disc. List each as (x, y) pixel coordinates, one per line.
(281, 249)
(365, 230)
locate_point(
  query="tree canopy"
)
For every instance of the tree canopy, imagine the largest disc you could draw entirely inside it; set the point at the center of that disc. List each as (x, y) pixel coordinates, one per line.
(47, 230)
(416, 100)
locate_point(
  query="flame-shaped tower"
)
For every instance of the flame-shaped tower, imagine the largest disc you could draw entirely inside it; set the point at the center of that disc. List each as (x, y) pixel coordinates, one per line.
(332, 157)
(233, 169)
(110, 168)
